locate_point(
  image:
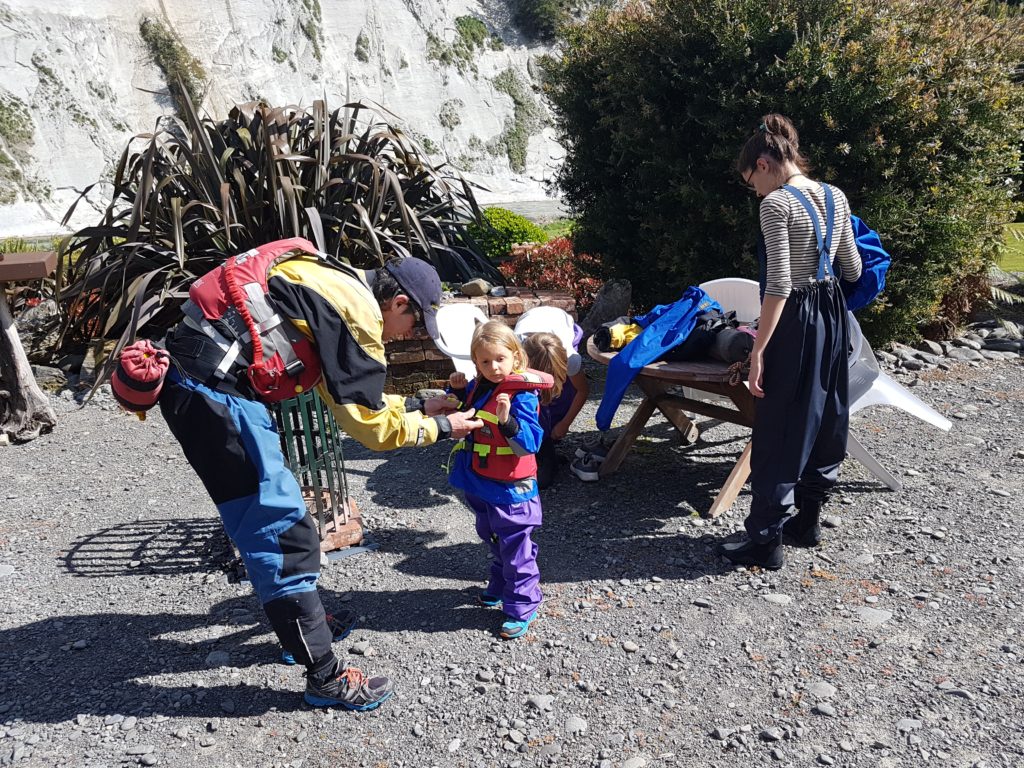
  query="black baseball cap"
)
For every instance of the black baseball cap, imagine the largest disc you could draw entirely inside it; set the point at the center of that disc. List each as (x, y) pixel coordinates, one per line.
(420, 282)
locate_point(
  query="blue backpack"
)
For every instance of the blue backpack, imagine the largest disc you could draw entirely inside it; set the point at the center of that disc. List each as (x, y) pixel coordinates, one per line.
(874, 258)
(874, 261)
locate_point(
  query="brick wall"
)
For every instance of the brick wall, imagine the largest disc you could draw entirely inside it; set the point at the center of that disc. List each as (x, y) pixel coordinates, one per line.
(416, 362)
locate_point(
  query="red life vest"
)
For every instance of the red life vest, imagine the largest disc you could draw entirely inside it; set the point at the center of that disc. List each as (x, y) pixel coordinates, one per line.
(231, 305)
(493, 457)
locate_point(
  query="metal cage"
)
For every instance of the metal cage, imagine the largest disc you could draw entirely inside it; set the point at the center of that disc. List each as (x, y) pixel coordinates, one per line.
(311, 441)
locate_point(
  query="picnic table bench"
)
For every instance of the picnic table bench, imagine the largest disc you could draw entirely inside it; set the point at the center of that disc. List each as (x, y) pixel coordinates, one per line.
(655, 381)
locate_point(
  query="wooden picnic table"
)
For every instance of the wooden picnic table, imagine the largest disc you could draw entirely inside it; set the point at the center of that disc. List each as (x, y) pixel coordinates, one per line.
(655, 381)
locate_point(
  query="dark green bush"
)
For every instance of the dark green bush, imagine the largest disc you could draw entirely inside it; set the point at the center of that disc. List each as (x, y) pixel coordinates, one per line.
(909, 107)
(501, 230)
(185, 75)
(540, 19)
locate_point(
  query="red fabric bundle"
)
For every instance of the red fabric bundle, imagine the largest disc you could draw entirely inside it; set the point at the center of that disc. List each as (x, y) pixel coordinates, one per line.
(139, 375)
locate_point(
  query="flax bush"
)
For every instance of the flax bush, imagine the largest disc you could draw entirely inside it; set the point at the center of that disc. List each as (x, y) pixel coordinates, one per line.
(910, 107)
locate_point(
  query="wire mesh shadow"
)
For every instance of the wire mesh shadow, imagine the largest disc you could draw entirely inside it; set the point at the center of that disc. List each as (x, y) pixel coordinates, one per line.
(150, 546)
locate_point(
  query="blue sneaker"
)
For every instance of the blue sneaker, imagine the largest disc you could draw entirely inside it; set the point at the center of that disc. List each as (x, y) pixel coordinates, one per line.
(487, 601)
(514, 628)
(341, 625)
(352, 689)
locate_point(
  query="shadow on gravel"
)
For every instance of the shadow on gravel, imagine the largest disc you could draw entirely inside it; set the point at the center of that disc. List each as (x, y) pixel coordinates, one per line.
(131, 664)
(171, 546)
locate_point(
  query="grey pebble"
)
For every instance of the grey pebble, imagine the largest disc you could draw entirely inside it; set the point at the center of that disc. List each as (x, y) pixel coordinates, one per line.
(417, 730)
(149, 759)
(217, 659)
(541, 702)
(362, 648)
(821, 690)
(772, 734)
(777, 598)
(824, 708)
(634, 762)
(142, 749)
(630, 647)
(576, 726)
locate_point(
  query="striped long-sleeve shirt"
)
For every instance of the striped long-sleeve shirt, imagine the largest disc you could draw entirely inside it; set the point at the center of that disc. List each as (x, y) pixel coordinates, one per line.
(792, 249)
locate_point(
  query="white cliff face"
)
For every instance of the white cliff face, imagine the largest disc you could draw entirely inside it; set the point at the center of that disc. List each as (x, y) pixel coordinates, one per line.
(77, 81)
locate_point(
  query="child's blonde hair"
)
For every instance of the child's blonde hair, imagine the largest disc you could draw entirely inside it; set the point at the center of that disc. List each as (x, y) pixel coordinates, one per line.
(544, 352)
(496, 332)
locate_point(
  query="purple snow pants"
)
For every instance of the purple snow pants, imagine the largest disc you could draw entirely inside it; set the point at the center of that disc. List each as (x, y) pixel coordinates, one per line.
(514, 573)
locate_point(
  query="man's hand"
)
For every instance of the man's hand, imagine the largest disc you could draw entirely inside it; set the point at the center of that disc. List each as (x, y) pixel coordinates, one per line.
(457, 380)
(462, 423)
(440, 406)
(504, 407)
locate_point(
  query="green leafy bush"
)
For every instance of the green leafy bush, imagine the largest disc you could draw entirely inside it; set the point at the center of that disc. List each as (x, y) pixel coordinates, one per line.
(185, 75)
(909, 107)
(501, 229)
(540, 19)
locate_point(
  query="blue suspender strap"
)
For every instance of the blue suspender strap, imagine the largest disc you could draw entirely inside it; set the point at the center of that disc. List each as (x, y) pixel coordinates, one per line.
(824, 243)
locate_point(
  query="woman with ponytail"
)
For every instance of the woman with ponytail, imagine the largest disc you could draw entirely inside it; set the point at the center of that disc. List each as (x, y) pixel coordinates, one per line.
(798, 366)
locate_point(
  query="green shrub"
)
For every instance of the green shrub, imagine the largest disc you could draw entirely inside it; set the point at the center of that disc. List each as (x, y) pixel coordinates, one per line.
(501, 230)
(363, 46)
(184, 73)
(540, 19)
(909, 107)
(527, 119)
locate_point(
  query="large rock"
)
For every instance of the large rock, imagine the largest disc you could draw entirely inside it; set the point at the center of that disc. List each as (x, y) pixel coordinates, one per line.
(612, 301)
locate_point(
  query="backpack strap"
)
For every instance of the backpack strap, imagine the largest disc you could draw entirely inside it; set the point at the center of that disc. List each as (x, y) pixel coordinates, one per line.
(824, 243)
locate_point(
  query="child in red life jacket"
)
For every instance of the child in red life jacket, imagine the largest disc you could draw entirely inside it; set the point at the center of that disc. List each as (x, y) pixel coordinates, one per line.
(497, 469)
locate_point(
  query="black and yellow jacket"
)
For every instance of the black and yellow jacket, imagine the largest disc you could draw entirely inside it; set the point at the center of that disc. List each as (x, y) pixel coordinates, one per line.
(337, 311)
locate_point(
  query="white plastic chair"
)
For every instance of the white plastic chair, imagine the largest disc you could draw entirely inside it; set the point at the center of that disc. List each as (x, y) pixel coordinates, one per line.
(736, 294)
(870, 386)
(455, 326)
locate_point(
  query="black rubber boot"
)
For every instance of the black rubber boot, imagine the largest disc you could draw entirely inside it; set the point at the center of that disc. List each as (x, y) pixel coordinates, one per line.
(767, 555)
(804, 528)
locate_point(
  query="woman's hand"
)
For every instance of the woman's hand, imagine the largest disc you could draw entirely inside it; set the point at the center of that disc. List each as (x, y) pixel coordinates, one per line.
(561, 429)
(756, 374)
(457, 380)
(504, 407)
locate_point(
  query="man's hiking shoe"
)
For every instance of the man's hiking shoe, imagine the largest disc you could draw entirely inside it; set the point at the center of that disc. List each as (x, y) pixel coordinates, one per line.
(514, 628)
(487, 601)
(340, 624)
(586, 469)
(352, 689)
(748, 552)
(804, 528)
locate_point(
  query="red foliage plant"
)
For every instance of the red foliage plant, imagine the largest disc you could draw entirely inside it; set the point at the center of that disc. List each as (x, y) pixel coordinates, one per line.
(554, 266)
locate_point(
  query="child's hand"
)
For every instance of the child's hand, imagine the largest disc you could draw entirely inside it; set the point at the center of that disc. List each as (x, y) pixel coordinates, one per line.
(560, 430)
(504, 407)
(457, 380)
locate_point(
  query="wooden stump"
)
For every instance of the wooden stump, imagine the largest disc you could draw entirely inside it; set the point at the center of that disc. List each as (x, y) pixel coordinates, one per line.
(25, 411)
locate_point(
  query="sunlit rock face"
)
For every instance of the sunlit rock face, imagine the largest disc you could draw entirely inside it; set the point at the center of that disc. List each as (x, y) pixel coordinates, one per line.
(79, 78)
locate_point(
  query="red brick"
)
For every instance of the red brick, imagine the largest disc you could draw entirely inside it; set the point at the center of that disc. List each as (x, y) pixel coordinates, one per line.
(434, 354)
(496, 306)
(406, 357)
(514, 305)
(529, 303)
(405, 345)
(479, 301)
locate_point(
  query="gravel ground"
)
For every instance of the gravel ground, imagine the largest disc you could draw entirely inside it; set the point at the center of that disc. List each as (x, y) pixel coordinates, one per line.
(124, 640)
